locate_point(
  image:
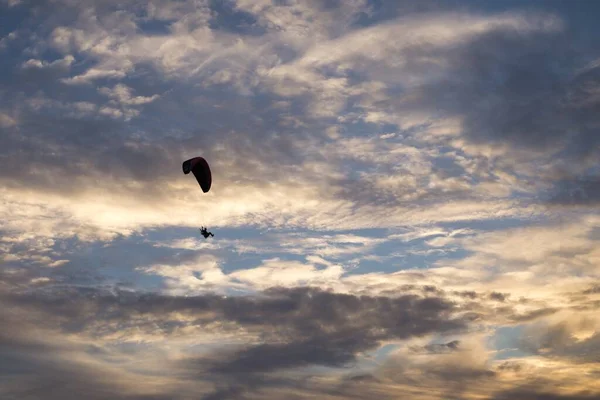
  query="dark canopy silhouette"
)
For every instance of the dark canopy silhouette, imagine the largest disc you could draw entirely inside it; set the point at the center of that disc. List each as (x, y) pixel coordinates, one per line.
(199, 167)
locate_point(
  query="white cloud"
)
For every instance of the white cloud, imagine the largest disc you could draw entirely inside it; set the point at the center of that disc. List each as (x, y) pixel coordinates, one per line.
(13, 3)
(115, 210)
(494, 265)
(534, 244)
(6, 121)
(63, 63)
(112, 40)
(202, 273)
(187, 244)
(123, 95)
(381, 41)
(205, 274)
(29, 249)
(418, 233)
(92, 74)
(41, 280)
(300, 23)
(382, 52)
(276, 272)
(328, 245)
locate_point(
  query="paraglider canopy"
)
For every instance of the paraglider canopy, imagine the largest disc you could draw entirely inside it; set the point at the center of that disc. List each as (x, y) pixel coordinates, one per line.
(199, 167)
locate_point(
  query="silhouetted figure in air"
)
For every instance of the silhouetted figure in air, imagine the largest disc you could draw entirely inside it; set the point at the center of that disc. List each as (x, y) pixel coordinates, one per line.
(205, 233)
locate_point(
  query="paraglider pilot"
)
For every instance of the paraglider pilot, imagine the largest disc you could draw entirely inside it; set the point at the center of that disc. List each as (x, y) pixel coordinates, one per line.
(201, 170)
(205, 233)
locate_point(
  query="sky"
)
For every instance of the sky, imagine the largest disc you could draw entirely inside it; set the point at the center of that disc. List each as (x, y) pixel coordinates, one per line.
(405, 199)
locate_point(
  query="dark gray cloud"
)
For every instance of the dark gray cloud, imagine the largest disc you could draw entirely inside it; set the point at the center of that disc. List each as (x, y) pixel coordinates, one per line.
(592, 290)
(436, 348)
(534, 314)
(306, 314)
(468, 294)
(513, 88)
(582, 191)
(529, 91)
(35, 366)
(499, 296)
(538, 392)
(295, 330)
(559, 340)
(298, 328)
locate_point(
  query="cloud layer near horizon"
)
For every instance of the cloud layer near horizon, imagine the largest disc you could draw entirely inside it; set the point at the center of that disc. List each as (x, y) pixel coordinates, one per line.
(405, 200)
(266, 344)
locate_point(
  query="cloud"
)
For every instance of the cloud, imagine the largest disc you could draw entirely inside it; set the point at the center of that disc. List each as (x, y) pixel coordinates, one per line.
(292, 327)
(205, 273)
(122, 94)
(13, 3)
(583, 191)
(554, 255)
(539, 393)
(254, 339)
(63, 63)
(438, 347)
(274, 272)
(94, 73)
(42, 363)
(572, 337)
(30, 249)
(97, 146)
(6, 121)
(452, 139)
(522, 110)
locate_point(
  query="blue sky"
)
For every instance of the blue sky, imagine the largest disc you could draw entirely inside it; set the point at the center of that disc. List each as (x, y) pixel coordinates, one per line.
(404, 201)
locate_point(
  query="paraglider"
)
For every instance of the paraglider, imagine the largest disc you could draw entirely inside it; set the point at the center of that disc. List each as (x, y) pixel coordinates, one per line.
(199, 167)
(201, 170)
